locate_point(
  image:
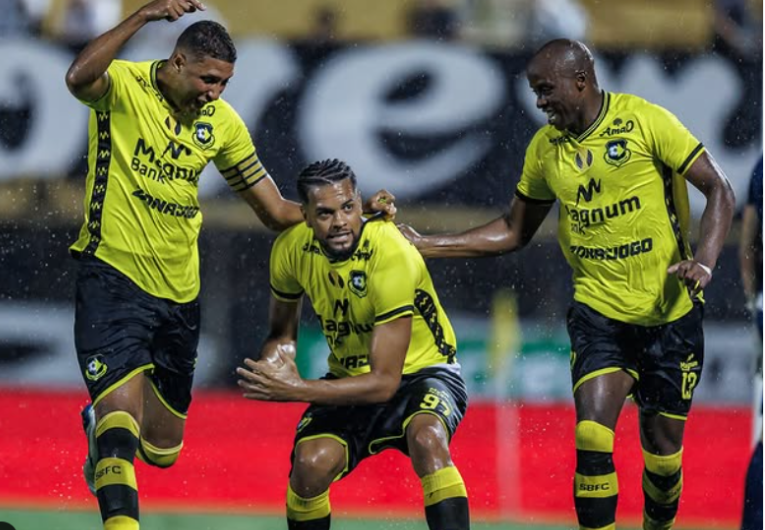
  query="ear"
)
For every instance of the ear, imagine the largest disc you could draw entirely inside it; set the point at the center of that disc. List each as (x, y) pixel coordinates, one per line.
(305, 214)
(178, 61)
(581, 80)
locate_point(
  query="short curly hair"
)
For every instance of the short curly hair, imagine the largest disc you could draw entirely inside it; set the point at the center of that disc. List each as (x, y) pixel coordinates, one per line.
(208, 39)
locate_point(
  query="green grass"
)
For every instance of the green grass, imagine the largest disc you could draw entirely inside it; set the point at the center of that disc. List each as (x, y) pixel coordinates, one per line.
(51, 520)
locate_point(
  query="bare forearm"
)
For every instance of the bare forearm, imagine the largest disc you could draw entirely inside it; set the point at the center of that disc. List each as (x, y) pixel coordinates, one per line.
(715, 224)
(492, 239)
(357, 390)
(95, 59)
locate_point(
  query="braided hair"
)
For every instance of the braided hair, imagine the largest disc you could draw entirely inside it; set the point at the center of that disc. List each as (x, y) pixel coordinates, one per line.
(323, 173)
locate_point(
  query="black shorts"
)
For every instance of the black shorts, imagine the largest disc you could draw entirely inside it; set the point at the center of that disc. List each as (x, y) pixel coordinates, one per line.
(665, 360)
(366, 430)
(120, 331)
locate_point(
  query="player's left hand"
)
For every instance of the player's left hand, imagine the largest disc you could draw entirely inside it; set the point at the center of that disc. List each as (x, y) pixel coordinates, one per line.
(382, 201)
(694, 274)
(268, 380)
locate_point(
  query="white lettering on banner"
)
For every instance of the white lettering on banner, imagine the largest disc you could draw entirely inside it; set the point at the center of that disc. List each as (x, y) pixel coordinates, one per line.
(344, 112)
(702, 95)
(32, 77)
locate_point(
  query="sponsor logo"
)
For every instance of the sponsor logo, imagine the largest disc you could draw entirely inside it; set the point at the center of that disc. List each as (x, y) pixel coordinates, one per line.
(355, 361)
(619, 127)
(593, 186)
(203, 135)
(358, 283)
(146, 163)
(582, 218)
(165, 207)
(617, 152)
(605, 486)
(628, 250)
(95, 367)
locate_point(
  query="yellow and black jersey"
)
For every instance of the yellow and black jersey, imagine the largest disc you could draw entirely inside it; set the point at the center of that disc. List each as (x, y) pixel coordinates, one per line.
(624, 210)
(385, 279)
(141, 207)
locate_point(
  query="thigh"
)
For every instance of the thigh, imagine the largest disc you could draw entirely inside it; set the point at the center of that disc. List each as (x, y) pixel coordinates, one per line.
(347, 425)
(174, 354)
(112, 328)
(670, 366)
(437, 391)
(599, 346)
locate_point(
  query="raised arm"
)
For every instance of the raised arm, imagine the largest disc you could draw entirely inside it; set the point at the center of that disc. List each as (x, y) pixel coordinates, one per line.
(507, 233)
(709, 179)
(278, 213)
(87, 78)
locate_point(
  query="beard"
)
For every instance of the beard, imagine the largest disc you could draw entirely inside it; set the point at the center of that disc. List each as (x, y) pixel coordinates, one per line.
(339, 255)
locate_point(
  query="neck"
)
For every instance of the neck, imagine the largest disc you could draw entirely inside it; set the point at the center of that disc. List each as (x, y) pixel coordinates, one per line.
(589, 112)
(164, 86)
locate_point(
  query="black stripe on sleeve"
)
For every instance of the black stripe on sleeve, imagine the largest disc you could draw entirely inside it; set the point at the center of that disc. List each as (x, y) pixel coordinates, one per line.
(687, 162)
(399, 311)
(287, 296)
(530, 200)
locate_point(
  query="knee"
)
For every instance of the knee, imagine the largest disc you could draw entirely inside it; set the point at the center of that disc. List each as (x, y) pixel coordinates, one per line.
(428, 440)
(317, 463)
(159, 456)
(593, 436)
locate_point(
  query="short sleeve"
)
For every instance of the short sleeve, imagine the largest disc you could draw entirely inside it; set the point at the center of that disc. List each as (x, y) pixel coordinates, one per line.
(119, 74)
(237, 146)
(533, 185)
(394, 278)
(284, 283)
(670, 141)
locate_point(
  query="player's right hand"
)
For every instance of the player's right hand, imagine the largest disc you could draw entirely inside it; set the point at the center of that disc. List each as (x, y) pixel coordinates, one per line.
(170, 10)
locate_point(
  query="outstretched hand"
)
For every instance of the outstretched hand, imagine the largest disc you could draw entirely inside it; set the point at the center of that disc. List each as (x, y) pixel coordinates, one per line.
(270, 380)
(170, 10)
(381, 202)
(694, 274)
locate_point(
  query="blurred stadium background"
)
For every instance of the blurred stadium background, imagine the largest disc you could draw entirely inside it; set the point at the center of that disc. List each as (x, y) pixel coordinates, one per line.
(426, 98)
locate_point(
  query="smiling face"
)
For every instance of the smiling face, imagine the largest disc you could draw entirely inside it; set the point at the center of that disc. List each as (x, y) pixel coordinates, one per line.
(196, 81)
(560, 93)
(333, 211)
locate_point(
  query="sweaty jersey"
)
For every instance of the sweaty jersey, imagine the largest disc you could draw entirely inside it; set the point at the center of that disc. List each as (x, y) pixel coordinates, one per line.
(385, 279)
(624, 210)
(141, 204)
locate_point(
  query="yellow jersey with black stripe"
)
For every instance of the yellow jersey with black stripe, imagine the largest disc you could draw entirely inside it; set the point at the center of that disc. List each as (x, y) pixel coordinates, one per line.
(623, 202)
(385, 279)
(141, 204)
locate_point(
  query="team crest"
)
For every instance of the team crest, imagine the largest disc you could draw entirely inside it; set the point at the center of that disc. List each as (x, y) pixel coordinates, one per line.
(95, 367)
(203, 135)
(358, 283)
(617, 152)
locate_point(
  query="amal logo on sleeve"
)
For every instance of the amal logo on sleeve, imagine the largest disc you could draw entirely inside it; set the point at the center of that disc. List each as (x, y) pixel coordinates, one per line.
(203, 135)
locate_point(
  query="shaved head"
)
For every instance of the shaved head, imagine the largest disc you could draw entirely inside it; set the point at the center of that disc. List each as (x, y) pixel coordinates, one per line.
(562, 75)
(565, 57)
